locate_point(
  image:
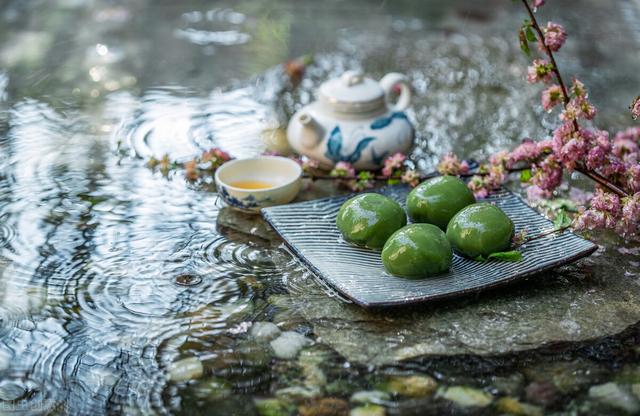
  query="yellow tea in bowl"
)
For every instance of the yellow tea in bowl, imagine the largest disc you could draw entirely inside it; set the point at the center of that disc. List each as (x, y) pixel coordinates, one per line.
(251, 184)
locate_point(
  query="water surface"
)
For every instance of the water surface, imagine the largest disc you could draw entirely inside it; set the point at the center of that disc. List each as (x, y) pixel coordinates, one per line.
(109, 271)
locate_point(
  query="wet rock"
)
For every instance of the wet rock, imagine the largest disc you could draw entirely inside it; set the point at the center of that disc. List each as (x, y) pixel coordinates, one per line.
(248, 224)
(370, 397)
(466, 396)
(513, 406)
(264, 331)
(543, 393)
(325, 407)
(511, 385)
(341, 387)
(567, 376)
(615, 396)
(185, 369)
(297, 393)
(630, 374)
(368, 410)
(213, 388)
(412, 386)
(288, 345)
(517, 318)
(274, 407)
(309, 361)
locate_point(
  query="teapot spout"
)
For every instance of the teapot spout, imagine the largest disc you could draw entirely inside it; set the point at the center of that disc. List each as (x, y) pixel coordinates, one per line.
(312, 132)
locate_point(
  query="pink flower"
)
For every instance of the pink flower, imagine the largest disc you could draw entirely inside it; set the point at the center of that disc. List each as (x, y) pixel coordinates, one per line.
(571, 147)
(544, 146)
(577, 88)
(393, 163)
(633, 177)
(343, 169)
(635, 108)
(606, 202)
(499, 158)
(540, 70)
(585, 108)
(535, 193)
(309, 164)
(538, 3)
(613, 169)
(451, 165)
(602, 140)
(572, 152)
(629, 223)
(551, 97)
(578, 107)
(528, 150)
(495, 178)
(477, 186)
(410, 177)
(547, 175)
(624, 146)
(595, 157)
(590, 219)
(554, 37)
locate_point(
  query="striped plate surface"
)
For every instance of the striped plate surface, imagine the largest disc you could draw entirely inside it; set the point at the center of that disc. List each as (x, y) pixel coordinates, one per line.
(309, 229)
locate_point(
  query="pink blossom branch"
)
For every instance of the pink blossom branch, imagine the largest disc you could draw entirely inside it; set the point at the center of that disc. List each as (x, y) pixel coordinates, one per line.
(383, 178)
(596, 177)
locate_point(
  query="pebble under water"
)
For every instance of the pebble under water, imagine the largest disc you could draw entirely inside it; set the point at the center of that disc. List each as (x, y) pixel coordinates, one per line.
(124, 291)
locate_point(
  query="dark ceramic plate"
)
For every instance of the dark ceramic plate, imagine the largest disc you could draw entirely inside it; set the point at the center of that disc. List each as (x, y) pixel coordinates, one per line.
(309, 230)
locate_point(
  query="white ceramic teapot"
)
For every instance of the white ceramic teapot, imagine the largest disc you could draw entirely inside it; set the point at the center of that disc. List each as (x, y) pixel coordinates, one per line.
(353, 122)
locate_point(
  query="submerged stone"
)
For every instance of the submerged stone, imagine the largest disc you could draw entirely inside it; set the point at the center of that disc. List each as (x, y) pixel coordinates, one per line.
(274, 407)
(513, 406)
(264, 331)
(309, 361)
(186, 369)
(328, 406)
(412, 386)
(542, 393)
(297, 393)
(466, 396)
(616, 396)
(370, 397)
(368, 410)
(288, 344)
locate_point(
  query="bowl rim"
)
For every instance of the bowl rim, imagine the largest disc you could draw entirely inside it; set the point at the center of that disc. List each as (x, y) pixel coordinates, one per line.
(257, 158)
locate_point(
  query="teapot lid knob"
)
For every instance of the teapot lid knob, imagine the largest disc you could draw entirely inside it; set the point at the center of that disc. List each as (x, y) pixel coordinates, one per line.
(350, 78)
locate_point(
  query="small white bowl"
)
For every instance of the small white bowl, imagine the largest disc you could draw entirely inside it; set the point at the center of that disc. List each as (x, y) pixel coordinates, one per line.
(283, 174)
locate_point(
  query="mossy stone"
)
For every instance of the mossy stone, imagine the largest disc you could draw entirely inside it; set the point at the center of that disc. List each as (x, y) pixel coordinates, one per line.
(437, 200)
(479, 230)
(367, 220)
(417, 251)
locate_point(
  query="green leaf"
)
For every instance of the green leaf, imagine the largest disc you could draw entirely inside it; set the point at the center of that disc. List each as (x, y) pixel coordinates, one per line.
(525, 175)
(524, 45)
(531, 36)
(513, 255)
(562, 220)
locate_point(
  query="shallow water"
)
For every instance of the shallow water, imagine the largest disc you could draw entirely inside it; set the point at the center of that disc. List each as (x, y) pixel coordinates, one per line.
(110, 272)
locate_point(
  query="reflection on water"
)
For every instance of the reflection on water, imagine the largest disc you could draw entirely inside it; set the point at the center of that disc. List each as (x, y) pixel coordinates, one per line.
(110, 273)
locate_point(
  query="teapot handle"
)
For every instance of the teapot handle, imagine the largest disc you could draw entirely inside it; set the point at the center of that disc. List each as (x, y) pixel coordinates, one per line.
(391, 80)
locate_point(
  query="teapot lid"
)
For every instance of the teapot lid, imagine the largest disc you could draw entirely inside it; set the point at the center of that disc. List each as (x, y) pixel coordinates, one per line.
(352, 93)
